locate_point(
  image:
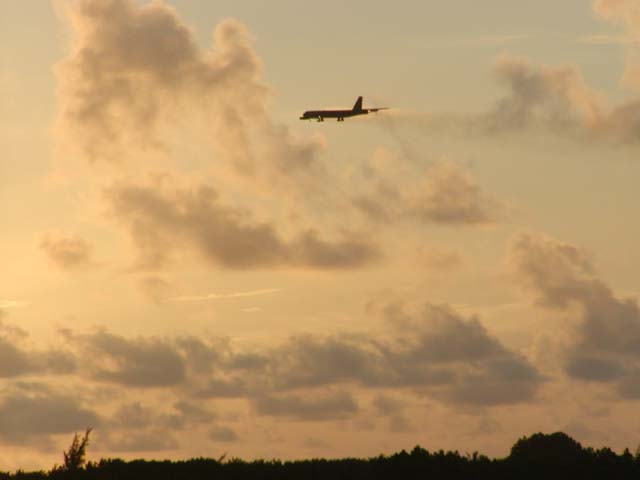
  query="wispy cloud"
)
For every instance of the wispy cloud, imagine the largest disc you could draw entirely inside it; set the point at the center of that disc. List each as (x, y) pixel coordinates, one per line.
(218, 296)
(481, 41)
(607, 39)
(12, 303)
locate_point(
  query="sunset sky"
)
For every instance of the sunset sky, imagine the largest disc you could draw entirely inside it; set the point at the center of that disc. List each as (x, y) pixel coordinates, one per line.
(191, 270)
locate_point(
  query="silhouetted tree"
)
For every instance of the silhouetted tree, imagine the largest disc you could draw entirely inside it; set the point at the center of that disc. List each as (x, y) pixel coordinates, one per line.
(75, 457)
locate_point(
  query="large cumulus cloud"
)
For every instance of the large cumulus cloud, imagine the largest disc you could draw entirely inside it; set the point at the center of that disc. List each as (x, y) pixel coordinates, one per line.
(443, 193)
(133, 70)
(606, 343)
(433, 350)
(548, 99)
(161, 220)
(19, 358)
(32, 415)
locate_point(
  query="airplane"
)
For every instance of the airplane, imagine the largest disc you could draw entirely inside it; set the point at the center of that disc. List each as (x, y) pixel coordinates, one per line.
(340, 115)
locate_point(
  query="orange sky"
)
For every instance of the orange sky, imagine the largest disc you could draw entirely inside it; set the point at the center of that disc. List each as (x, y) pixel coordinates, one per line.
(191, 270)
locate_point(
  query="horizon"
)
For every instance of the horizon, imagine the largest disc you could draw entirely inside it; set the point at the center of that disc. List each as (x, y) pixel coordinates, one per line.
(190, 269)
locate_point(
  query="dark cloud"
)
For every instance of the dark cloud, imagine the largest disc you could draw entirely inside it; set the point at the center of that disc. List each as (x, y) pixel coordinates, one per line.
(309, 361)
(393, 409)
(479, 369)
(332, 406)
(13, 361)
(606, 346)
(142, 362)
(223, 434)
(386, 405)
(133, 415)
(66, 252)
(25, 415)
(503, 381)
(222, 388)
(595, 368)
(190, 414)
(162, 221)
(451, 338)
(137, 416)
(434, 350)
(203, 356)
(18, 359)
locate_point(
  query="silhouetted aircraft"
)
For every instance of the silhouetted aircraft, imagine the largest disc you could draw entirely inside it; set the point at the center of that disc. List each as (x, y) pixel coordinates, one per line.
(357, 109)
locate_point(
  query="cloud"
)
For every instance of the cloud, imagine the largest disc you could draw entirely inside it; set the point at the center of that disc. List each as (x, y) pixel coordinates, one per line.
(217, 296)
(430, 351)
(223, 434)
(133, 415)
(393, 409)
(435, 350)
(162, 220)
(445, 193)
(217, 388)
(66, 252)
(146, 441)
(386, 405)
(480, 41)
(13, 361)
(142, 362)
(134, 71)
(604, 39)
(548, 99)
(606, 344)
(137, 416)
(625, 13)
(18, 359)
(449, 195)
(556, 97)
(332, 406)
(24, 416)
(139, 427)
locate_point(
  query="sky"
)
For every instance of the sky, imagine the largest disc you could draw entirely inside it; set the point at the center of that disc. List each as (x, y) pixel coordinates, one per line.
(191, 270)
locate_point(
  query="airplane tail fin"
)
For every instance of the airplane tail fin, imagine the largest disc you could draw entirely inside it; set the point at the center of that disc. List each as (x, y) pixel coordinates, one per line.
(358, 106)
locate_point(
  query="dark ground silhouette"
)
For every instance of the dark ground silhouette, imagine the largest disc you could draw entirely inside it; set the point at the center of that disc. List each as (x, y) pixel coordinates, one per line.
(540, 456)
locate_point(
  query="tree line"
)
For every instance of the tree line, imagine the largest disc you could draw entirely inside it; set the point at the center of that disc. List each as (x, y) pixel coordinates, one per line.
(547, 456)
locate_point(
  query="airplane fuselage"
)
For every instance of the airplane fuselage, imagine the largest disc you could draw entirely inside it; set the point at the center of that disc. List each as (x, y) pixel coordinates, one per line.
(340, 114)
